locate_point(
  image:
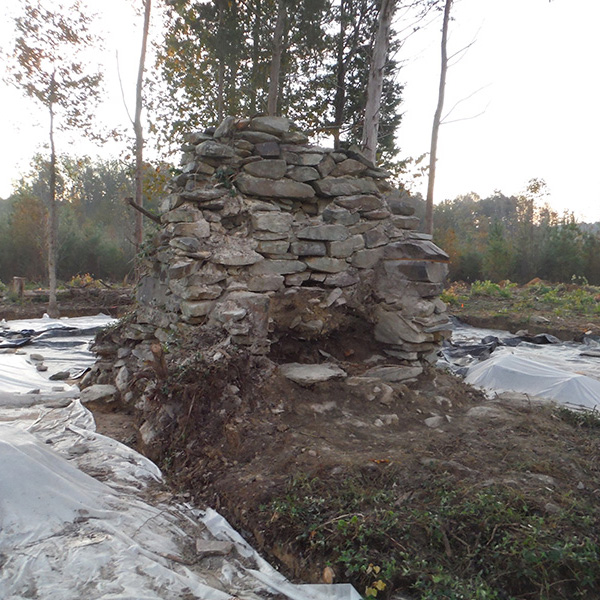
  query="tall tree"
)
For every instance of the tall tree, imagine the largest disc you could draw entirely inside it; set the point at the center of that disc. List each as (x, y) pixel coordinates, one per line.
(139, 134)
(273, 94)
(437, 119)
(376, 75)
(47, 65)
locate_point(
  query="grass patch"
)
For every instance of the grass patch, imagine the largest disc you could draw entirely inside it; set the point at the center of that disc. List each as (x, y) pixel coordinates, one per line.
(440, 540)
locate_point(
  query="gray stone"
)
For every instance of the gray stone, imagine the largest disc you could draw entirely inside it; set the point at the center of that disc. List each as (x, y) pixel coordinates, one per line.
(355, 152)
(205, 548)
(432, 272)
(209, 275)
(392, 328)
(186, 244)
(98, 393)
(201, 195)
(349, 166)
(329, 233)
(326, 166)
(198, 229)
(294, 137)
(303, 174)
(268, 149)
(171, 202)
(302, 160)
(235, 257)
(275, 222)
(269, 169)
(394, 373)
(277, 267)
(339, 215)
(399, 207)
(273, 246)
(273, 125)
(375, 237)
(376, 215)
(326, 264)
(191, 309)
(225, 128)
(415, 249)
(212, 149)
(60, 376)
(435, 422)
(180, 215)
(195, 137)
(361, 202)
(309, 248)
(344, 186)
(346, 248)
(342, 279)
(201, 292)
(282, 188)
(410, 223)
(266, 283)
(306, 375)
(296, 279)
(367, 259)
(258, 137)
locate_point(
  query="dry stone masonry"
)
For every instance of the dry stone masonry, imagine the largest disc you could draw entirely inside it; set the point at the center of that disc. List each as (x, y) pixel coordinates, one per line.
(264, 234)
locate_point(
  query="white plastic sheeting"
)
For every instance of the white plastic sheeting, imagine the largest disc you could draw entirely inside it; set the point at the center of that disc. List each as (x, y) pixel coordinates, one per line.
(507, 372)
(83, 516)
(566, 372)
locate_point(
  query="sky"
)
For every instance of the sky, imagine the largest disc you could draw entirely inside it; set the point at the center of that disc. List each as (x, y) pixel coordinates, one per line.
(536, 64)
(528, 94)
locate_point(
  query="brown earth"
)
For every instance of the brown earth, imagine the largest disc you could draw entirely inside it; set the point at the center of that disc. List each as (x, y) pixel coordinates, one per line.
(73, 302)
(243, 434)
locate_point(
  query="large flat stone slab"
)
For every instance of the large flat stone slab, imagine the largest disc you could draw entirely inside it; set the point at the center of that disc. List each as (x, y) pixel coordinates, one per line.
(311, 374)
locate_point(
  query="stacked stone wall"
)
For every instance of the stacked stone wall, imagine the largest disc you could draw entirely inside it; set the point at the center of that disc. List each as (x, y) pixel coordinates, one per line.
(260, 219)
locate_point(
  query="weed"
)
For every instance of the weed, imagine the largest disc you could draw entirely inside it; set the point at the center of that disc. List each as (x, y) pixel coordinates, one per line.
(441, 541)
(586, 419)
(488, 288)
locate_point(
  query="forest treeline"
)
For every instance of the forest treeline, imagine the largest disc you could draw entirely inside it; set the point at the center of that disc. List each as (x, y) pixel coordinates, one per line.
(516, 238)
(496, 238)
(95, 224)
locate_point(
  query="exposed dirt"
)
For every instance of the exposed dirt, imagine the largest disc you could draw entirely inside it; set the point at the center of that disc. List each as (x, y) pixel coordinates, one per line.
(242, 433)
(75, 302)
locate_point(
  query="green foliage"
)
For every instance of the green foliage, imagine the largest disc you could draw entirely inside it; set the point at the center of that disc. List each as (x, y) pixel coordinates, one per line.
(516, 238)
(487, 288)
(95, 225)
(443, 541)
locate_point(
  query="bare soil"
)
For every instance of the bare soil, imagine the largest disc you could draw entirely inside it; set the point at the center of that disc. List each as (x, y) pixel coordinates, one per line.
(243, 434)
(73, 302)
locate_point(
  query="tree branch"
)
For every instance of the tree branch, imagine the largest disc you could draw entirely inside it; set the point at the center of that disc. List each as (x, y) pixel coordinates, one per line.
(146, 213)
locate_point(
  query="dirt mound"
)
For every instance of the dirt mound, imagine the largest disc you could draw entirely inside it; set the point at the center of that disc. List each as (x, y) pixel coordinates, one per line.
(422, 487)
(74, 302)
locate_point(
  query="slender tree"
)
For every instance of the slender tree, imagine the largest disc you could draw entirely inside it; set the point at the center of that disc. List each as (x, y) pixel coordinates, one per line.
(273, 94)
(437, 119)
(139, 135)
(47, 65)
(376, 77)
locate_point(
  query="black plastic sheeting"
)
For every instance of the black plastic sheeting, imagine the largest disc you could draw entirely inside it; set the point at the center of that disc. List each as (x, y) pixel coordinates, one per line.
(460, 355)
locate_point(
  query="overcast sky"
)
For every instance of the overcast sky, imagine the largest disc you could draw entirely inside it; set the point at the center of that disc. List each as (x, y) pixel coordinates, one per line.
(535, 63)
(538, 65)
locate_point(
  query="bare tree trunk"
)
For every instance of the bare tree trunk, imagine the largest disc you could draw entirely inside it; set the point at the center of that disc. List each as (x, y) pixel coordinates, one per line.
(220, 70)
(340, 87)
(437, 118)
(139, 135)
(276, 60)
(375, 84)
(52, 215)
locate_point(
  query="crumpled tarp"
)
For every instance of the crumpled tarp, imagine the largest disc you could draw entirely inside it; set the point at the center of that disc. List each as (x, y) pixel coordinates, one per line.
(83, 516)
(507, 372)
